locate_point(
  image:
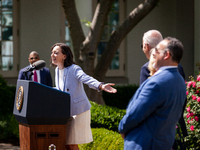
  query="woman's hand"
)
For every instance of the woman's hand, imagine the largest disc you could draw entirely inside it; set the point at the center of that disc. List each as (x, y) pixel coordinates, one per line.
(107, 87)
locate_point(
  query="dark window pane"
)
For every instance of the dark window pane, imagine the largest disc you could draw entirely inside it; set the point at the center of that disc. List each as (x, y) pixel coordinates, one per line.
(7, 18)
(0, 49)
(68, 44)
(115, 63)
(0, 32)
(7, 63)
(114, 18)
(105, 34)
(101, 47)
(7, 48)
(7, 33)
(67, 35)
(7, 4)
(0, 64)
(115, 6)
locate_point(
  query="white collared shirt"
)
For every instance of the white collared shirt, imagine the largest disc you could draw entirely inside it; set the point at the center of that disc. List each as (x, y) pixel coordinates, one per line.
(163, 68)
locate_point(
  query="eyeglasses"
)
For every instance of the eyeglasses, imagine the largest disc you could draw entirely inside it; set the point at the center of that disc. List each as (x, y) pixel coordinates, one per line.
(163, 51)
(33, 58)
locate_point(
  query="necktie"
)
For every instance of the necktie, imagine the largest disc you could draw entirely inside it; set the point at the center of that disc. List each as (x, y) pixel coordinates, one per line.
(35, 76)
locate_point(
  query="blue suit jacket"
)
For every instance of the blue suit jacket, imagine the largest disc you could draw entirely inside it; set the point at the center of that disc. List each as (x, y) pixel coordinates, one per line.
(73, 79)
(45, 76)
(154, 110)
(144, 74)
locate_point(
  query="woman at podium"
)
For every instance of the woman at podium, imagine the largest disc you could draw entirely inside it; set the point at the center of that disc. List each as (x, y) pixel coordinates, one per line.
(69, 78)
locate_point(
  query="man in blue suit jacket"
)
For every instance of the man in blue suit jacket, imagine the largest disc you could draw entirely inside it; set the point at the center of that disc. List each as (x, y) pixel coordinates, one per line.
(43, 75)
(153, 112)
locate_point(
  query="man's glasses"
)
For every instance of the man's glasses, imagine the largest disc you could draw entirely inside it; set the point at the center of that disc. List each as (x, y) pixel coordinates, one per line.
(33, 58)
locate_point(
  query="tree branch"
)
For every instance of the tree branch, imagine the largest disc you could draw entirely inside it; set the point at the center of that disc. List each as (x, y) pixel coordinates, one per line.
(98, 22)
(76, 31)
(119, 34)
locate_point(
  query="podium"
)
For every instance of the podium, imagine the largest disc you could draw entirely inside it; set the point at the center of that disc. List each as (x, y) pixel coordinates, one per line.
(42, 113)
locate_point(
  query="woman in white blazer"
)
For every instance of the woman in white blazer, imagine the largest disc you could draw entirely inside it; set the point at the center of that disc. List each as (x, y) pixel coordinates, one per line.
(69, 77)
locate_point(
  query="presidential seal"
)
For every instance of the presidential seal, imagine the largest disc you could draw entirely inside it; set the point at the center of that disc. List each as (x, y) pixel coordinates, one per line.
(19, 98)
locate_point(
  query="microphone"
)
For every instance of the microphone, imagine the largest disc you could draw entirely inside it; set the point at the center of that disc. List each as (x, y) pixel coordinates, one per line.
(36, 66)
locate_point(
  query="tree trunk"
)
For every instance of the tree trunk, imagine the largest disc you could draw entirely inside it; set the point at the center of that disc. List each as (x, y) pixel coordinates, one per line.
(85, 48)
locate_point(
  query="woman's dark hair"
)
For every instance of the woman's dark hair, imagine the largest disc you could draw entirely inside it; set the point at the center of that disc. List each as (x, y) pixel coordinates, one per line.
(66, 51)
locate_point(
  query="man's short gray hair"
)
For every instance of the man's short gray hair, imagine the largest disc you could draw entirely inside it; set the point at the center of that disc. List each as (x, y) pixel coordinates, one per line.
(152, 38)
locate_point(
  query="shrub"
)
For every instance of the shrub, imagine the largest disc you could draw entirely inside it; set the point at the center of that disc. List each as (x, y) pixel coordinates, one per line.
(8, 124)
(121, 98)
(103, 116)
(104, 139)
(192, 113)
(7, 98)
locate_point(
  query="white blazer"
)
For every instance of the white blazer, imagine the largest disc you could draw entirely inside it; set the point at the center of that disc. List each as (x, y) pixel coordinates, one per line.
(73, 79)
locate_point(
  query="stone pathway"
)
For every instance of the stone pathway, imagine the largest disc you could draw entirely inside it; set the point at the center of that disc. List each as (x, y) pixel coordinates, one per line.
(7, 146)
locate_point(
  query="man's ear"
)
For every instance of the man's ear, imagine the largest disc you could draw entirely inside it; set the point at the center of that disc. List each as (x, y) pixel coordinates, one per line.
(167, 55)
(147, 47)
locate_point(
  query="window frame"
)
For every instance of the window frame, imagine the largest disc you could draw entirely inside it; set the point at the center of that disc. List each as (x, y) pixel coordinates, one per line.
(121, 71)
(15, 70)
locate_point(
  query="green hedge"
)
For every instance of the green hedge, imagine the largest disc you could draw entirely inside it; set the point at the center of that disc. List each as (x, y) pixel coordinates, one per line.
(103, 116)
(122, 97)
(8, 124)
(104, 139)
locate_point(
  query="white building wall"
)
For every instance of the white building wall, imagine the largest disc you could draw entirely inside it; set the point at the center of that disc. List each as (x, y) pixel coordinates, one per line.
(165, 18)
(39, 29)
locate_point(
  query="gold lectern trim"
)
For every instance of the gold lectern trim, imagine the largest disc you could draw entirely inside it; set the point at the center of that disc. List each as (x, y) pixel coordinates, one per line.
(19, 98)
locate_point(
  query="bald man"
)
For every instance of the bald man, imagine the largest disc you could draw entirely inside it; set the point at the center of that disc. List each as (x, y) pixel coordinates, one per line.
(43, 76)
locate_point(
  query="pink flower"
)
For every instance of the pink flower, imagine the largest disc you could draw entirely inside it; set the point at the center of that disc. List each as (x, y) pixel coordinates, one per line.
(188, 109)
(192, 128)
(188, 115)
(191, 114)
(194, 84)
(198, 78)
(189, 84)
(197, 91)
(198, 99)
(187, 92)
(188, 121)
(194, 97)
(196, 118)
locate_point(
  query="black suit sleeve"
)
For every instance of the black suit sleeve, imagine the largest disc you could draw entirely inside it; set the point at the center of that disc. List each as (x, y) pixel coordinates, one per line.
(144, 73)
(49, 79)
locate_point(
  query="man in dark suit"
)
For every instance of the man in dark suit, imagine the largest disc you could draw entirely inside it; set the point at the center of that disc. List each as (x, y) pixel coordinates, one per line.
(154, 110)
(150, 39)
(42, 76)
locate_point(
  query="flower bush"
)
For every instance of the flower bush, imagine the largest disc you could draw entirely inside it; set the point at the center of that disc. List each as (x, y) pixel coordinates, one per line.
(192, 113)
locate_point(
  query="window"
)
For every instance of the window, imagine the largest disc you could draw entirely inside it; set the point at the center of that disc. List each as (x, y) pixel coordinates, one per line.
(113, 20)
(7, 67)
(6, 49)
(115, 17)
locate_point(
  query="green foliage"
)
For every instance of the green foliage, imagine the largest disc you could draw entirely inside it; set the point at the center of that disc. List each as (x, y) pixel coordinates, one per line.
(103, 116)
(122, 97)
(104, 139)
(192, 113)
(9, 128)
(86, 22)
(6, 99)
(8, 123)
